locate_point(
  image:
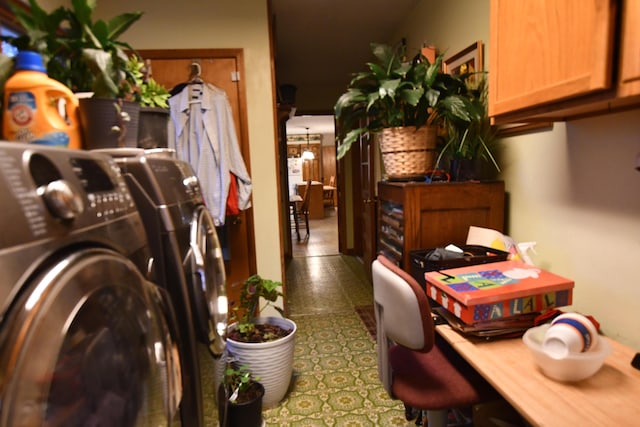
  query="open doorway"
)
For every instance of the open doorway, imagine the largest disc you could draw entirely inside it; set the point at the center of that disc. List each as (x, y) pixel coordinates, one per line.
(311, 155)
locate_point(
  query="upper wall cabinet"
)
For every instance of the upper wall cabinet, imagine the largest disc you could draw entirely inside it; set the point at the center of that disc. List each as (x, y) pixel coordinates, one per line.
(630, 49)
(562, 59)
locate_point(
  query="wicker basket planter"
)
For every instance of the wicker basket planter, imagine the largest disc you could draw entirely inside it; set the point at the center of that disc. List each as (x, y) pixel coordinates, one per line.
(408, 152)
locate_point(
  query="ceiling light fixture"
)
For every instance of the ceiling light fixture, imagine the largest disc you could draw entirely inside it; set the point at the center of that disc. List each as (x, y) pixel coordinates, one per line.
(307, 154)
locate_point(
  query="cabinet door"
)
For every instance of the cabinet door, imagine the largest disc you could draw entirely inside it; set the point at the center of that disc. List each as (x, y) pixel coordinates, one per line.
(548, 50)
(630, 55)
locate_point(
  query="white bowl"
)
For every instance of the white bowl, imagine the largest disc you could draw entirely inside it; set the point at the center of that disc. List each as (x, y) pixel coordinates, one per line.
(575, 366)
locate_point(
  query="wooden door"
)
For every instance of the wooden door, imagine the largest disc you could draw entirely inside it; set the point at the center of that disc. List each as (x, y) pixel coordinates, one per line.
(369, 202)
(223, 68)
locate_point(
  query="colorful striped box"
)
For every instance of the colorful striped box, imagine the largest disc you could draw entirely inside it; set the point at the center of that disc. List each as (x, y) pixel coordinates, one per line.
(497, 290)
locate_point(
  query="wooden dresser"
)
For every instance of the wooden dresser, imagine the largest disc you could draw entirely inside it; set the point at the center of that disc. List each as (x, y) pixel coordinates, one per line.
(416, 216)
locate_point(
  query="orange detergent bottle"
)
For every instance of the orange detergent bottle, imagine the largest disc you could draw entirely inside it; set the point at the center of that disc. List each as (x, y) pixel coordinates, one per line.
(39, 109)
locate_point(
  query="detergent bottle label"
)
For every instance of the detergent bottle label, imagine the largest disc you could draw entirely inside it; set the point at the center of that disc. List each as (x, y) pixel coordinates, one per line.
(22, 111)
(33, 104)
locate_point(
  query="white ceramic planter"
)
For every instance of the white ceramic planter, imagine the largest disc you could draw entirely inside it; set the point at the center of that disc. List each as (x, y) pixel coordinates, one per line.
(271, 361)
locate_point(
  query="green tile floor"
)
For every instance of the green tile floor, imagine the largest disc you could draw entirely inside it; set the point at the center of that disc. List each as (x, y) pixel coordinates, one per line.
(335, 381)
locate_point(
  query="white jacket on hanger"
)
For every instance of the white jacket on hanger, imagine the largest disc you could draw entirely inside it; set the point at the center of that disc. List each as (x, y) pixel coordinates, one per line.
(202, 132)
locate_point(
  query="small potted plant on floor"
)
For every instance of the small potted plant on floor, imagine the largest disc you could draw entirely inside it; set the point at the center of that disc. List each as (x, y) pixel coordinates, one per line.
(265, 344)
(239, 397)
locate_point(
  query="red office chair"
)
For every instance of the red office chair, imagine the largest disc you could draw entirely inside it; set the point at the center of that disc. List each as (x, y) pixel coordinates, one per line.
(413, 365)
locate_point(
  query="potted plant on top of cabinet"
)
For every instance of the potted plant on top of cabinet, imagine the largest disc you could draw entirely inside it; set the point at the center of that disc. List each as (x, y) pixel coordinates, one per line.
(396, 98)
(467, 145)
(265, 344)
(154, 105)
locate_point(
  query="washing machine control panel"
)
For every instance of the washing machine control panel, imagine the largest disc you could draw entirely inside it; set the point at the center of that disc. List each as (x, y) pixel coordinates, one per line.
(50, 192)
(107, 193)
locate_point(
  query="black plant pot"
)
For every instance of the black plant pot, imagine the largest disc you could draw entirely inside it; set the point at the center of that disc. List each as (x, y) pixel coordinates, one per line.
(467, 170)
(247, 414)
(98, 116)
(153, 128)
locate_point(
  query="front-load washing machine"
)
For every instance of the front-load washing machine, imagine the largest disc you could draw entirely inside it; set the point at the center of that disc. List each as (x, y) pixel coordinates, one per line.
(188, 258)
(85, 338)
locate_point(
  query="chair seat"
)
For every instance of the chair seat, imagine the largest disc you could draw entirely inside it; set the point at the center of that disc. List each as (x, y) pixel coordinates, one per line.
(435, 380)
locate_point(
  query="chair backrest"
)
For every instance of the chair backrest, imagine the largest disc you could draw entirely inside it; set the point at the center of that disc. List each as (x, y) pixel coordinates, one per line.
(403, 314)
(304, 206)
(332, 181)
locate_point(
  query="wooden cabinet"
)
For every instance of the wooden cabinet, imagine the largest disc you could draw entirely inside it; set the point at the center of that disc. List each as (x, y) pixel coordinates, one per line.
(414, 216)
(310, 168)
(630, 48)
(562, 59)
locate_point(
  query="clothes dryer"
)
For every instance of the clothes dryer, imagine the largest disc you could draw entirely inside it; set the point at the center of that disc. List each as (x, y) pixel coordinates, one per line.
(85, 338)
(188, 258)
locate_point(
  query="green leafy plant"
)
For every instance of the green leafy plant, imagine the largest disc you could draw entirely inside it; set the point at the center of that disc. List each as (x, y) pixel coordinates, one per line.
(153, 94)
(102, 51)
(239, 382)
(392, 92)
(42, 31)
(253, 289)
(472, 137)
(84, 54)
(149, 93)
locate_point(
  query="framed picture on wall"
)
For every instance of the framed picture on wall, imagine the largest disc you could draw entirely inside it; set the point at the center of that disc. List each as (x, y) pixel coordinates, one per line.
(468, 60)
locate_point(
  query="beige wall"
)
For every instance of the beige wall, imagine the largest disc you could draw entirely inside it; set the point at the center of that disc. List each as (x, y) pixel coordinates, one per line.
(573, 190)
(170, 24)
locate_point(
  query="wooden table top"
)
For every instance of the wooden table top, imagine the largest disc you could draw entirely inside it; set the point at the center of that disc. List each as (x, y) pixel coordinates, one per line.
(611, 397)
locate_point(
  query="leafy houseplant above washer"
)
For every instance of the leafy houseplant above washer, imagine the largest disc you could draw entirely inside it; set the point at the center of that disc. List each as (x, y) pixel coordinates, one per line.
(83, 54)
(87, 56)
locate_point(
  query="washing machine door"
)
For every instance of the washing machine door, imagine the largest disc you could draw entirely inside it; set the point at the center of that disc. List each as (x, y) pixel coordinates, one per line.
(204, 264)
(87, 344)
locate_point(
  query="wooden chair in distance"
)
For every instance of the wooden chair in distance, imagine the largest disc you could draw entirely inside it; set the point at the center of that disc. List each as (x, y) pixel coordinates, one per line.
(415, 366)
(328, 192)
(300, 212)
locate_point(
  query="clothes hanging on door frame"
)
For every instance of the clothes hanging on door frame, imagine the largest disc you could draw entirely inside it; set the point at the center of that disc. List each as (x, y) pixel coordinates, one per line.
(202, 132)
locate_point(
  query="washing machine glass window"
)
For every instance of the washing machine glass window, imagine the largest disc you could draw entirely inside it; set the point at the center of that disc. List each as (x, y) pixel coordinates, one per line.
(87, 343)
(205, 266)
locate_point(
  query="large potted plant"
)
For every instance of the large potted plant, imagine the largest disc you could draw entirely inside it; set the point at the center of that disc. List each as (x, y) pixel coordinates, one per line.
(265, 344)
(89, 57)
(467, 145)
(239, 397)
(396, 98)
